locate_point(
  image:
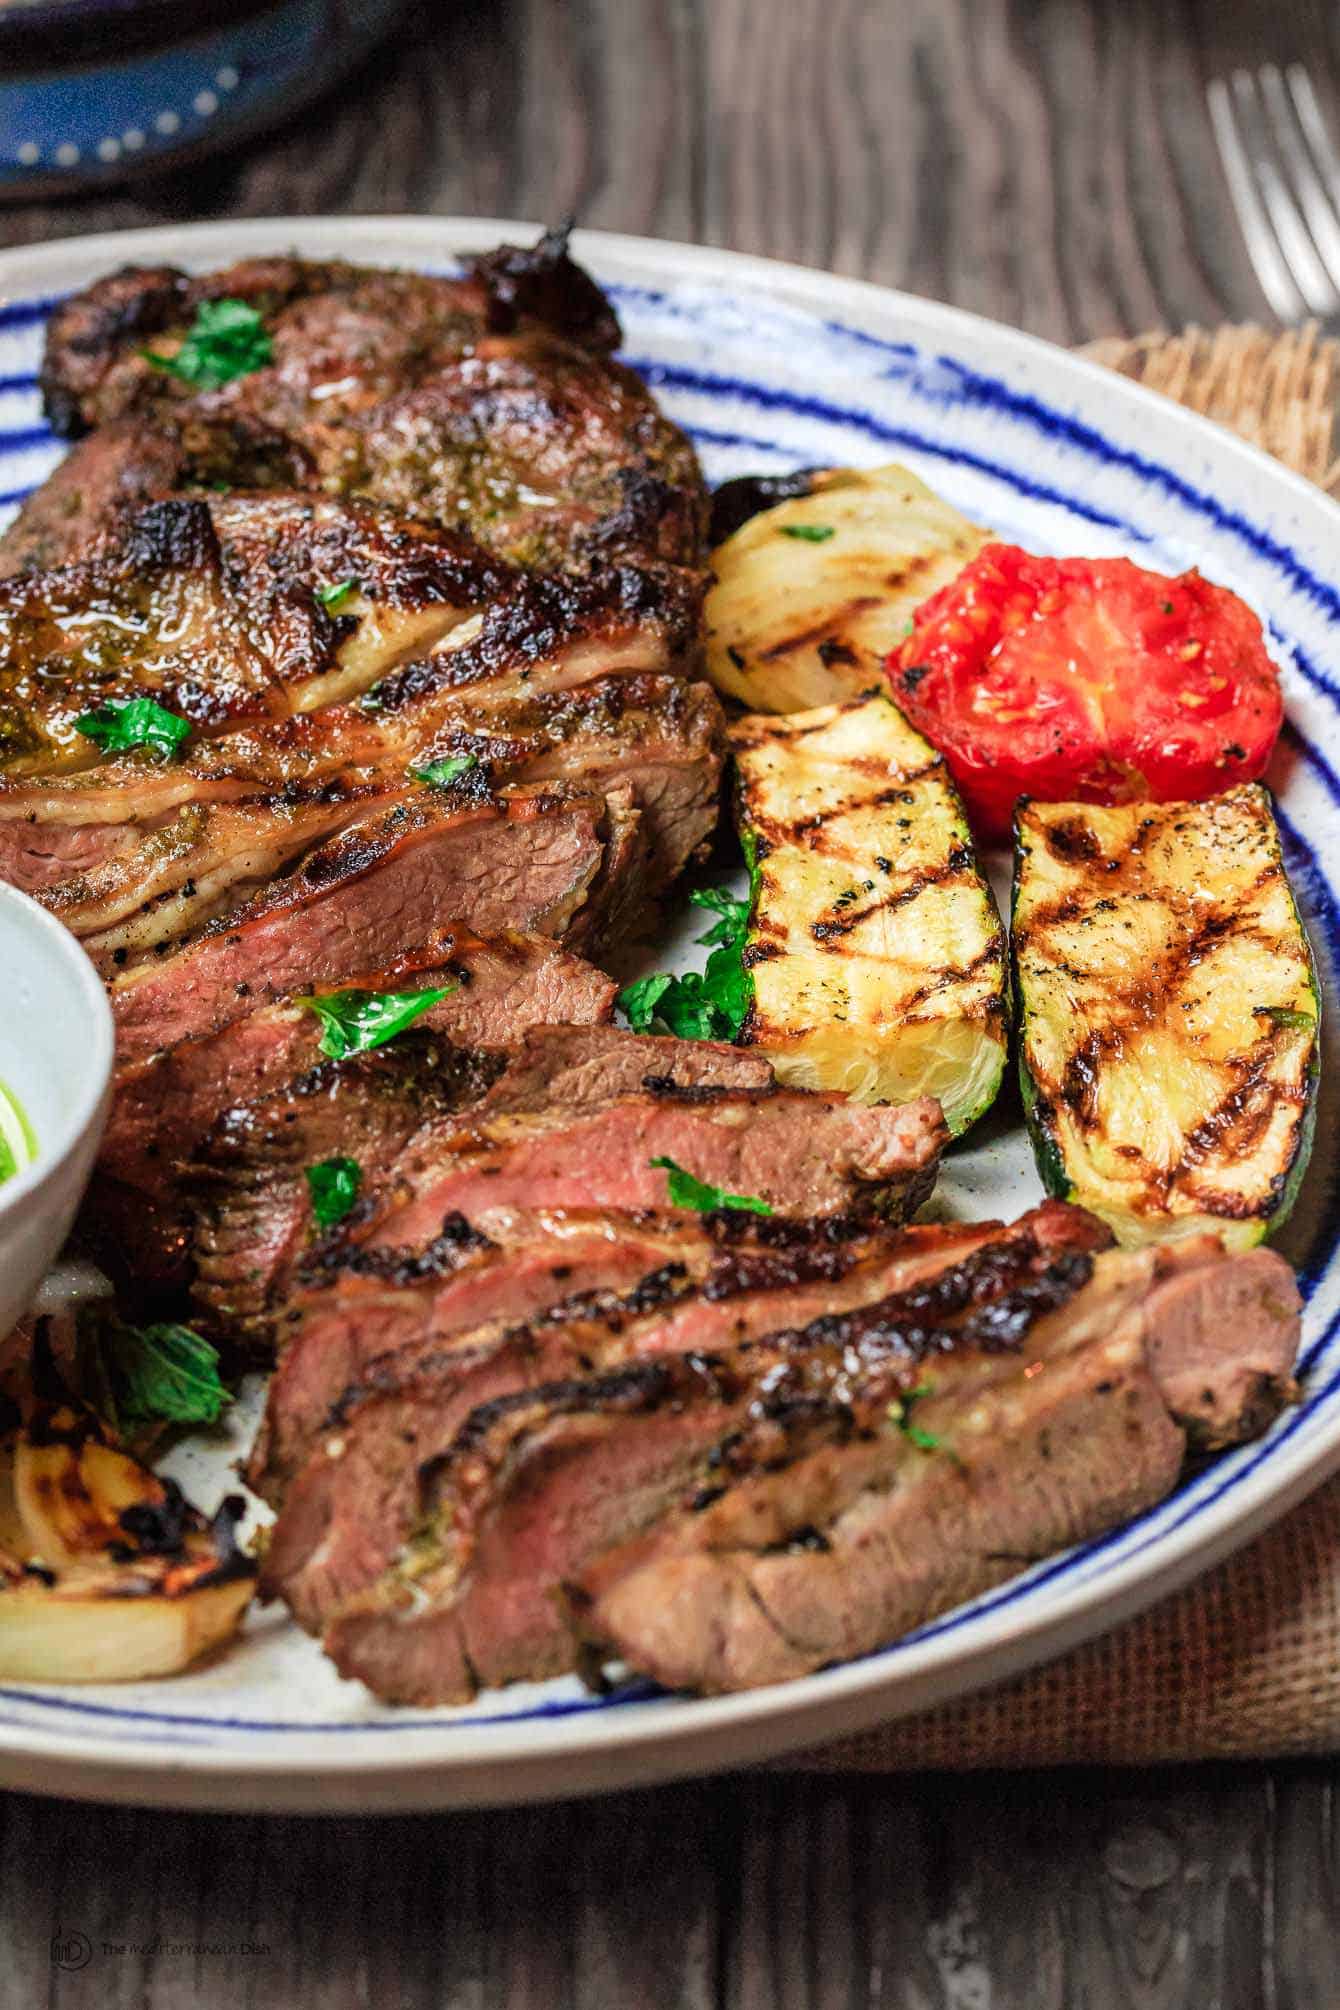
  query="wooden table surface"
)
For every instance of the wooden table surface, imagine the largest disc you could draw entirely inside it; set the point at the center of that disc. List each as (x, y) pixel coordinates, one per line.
(1048, 162)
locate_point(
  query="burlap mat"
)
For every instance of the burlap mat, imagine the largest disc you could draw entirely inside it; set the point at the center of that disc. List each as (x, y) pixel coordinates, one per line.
(1245, 1663)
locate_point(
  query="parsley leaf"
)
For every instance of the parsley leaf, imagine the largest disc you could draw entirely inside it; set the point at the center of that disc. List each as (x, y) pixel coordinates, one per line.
(227, 339)
(686, 1191)
(333, 1185)
(441, 774)
(125, 723)
(706, 1005)
(809, 533)
(140, 1376)
(900, 1413)
(1285, 1017)
(333, 597)
(353, 1022)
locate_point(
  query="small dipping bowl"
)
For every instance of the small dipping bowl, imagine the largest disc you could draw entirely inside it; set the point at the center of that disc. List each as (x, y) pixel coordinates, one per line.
(56, 1041)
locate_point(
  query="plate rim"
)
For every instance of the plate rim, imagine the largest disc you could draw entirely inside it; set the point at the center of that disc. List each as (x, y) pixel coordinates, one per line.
(537, 1759)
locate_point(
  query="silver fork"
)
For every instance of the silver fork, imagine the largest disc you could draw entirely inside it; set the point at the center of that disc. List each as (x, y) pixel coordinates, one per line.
(1283, 174)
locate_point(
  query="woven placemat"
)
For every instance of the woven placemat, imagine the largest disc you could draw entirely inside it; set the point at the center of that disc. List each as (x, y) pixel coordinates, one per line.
(1246, 1662)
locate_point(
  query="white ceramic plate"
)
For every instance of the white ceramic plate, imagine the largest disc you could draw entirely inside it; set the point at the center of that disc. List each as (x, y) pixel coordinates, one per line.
(771, 367)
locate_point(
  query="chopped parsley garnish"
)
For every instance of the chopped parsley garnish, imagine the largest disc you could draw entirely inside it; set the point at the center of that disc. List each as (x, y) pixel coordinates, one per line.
(354, 1022)
(333, 1185)
(227, 339)
(123, 724)
(1285, 1017)
(686, 1191)
(441, 774)
(900, 1413)
(706, 1005)
(334, 597)
(138, 1376)
(808, 533)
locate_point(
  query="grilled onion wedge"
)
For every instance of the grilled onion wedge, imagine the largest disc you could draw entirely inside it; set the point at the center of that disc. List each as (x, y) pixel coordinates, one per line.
(106, 1573)
(875, 949)
(811, 595)
(1169, 1013)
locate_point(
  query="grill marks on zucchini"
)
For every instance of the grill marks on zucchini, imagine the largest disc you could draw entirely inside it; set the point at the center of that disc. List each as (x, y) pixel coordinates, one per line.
(1169, 1008)
(875, 948)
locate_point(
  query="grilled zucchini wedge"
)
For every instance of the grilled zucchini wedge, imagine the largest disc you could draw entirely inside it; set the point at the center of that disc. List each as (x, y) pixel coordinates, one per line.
(1169, 1013)
(875, 950)
(811, 596)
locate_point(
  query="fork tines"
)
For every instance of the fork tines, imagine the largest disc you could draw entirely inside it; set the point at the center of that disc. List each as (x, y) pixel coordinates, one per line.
(1283, 174)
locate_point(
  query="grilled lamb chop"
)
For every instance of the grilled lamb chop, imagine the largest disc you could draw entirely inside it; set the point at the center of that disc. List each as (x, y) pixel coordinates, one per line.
(839, 1535)
(213, 609)
(254, 1218)
(343, 1519)
(723, 1519)
(375, 893)
(486, 403)
(164, 1106)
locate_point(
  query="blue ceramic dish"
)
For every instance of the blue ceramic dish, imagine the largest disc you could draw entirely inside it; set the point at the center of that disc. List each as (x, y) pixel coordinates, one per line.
(98, 89)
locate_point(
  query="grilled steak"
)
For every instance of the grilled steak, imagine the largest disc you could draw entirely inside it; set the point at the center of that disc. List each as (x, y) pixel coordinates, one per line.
(255, 1220)
(547, 456)
(486, 403)
(343, 1519)
(860, 1535)
(806, 1155)
(378, 891)
(343, 336)
(731, 1518)
(164, 1107)
(213, 609)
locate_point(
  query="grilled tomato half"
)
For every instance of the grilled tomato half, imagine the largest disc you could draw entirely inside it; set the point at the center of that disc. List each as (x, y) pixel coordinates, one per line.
(1091, 680)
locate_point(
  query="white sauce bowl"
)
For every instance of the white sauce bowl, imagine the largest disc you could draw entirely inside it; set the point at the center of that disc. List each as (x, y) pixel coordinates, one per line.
(56, 1042)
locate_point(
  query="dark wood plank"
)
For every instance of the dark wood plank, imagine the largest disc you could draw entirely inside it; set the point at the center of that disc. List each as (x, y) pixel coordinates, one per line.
(1194, 1890)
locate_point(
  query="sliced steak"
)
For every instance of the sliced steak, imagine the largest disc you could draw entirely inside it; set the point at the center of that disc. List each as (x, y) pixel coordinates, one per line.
(574, 1064)
(101, 848)
(110, 476)
(249, 1190)
(213, 610)
(804, 1155)
(550, 456)
(725, 1519)
(344, 1519)
(343, 336)
(163, 1107)
(860, 1535)
(253, 1221)
(523, 860)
